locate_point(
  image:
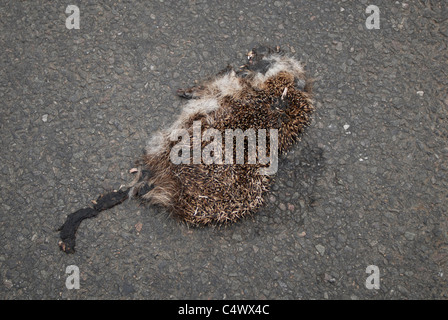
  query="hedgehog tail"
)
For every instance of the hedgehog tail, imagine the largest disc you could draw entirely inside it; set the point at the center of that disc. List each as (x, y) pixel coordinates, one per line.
(136, 189)
(69, 228)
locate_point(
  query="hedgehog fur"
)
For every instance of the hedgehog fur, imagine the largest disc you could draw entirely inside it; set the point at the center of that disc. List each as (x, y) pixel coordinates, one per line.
(271, 91)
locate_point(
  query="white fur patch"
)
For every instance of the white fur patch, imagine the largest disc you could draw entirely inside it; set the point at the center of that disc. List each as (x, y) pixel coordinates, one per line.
(227, 85)
(155, 144)
(203, 106)
(280, 64)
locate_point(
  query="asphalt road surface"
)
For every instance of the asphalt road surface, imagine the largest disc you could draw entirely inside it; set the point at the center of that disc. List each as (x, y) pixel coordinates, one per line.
(366, 186)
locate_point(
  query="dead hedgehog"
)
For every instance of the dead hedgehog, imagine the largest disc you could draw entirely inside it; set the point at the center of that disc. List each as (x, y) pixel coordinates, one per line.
(194, 169)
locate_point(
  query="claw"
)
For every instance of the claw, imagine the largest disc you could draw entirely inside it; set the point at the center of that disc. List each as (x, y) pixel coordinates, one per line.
(250, 55)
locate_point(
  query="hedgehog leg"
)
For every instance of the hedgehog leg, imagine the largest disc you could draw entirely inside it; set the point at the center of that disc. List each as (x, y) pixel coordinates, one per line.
(225, 71)
(69, 228)
(189, 93)
(144, 190)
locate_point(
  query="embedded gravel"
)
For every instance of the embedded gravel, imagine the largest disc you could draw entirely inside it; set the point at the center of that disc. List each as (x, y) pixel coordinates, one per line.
(367, 185)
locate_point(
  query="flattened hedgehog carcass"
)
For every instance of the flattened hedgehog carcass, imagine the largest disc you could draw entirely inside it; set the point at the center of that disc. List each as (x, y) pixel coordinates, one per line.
(269, 96)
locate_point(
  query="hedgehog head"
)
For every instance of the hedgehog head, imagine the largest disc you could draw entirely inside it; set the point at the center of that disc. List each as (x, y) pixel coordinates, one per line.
(266, 62)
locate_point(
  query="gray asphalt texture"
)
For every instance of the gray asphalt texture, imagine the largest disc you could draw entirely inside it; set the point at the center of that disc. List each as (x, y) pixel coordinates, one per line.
(367, 185)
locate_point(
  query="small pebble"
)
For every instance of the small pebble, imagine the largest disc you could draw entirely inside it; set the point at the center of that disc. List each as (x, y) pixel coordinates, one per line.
(409, 235)
(321, 249)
